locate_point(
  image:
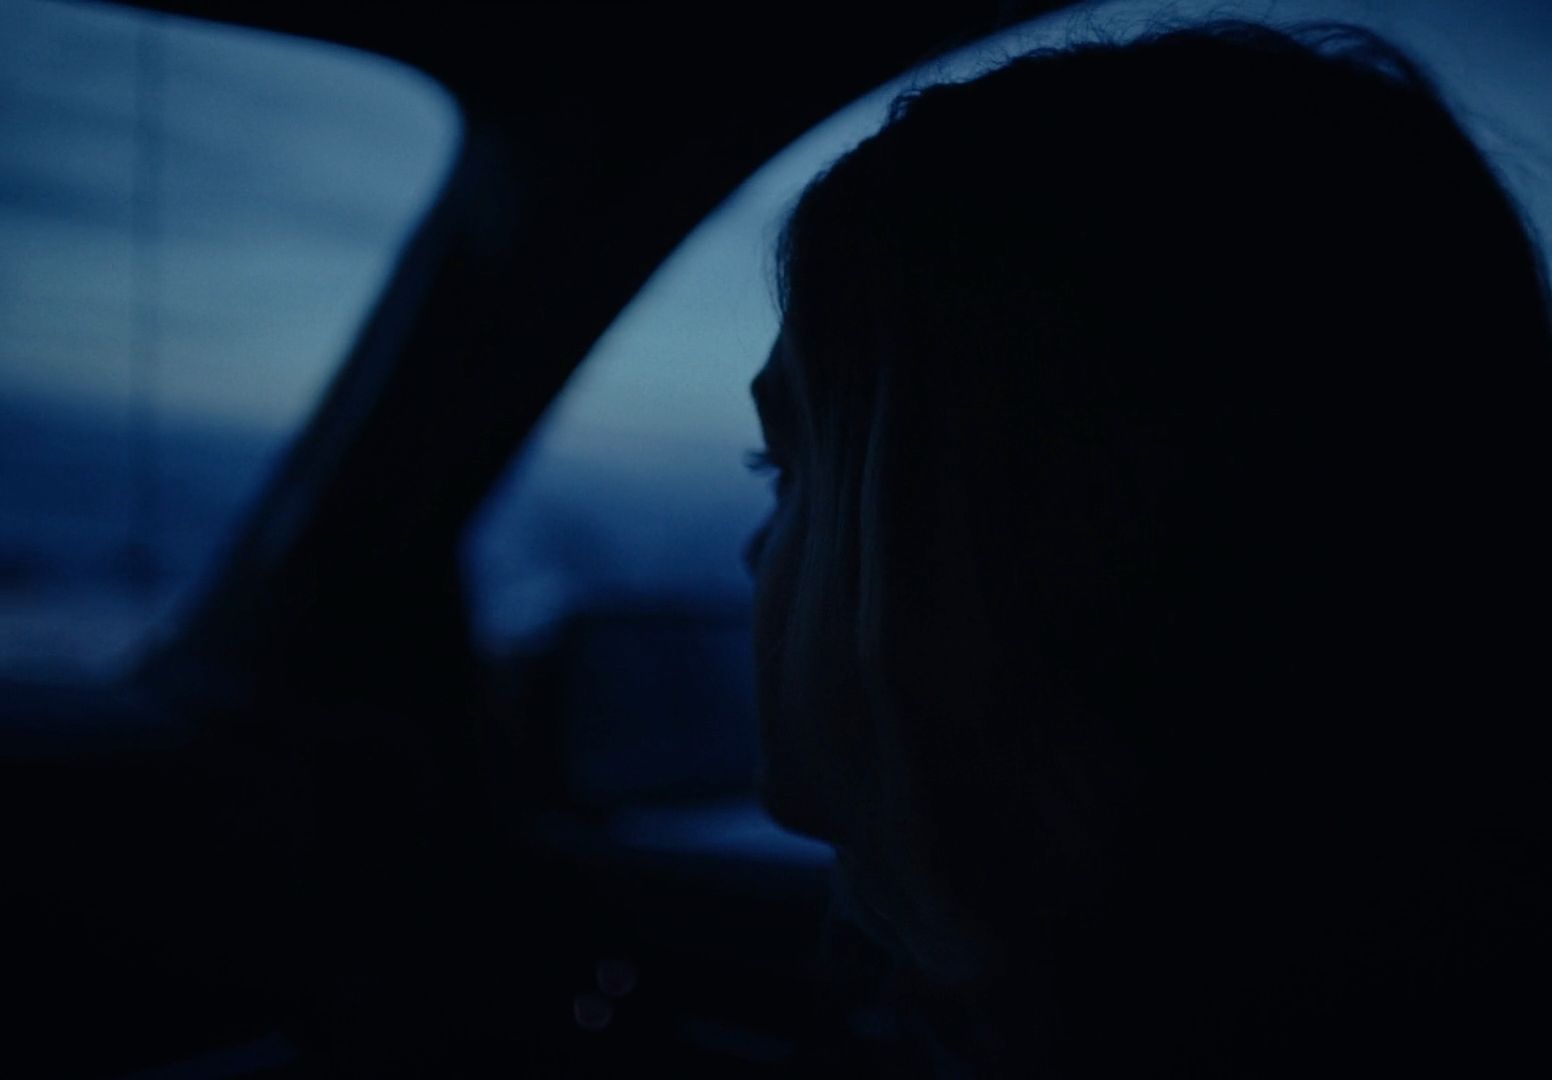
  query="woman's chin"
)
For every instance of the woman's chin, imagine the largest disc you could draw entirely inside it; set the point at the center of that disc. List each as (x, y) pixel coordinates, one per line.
(792, 805)
(939, 945)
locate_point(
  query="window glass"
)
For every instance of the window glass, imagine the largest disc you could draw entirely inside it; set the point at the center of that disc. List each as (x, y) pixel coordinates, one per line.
(194, 220)
(630, 496)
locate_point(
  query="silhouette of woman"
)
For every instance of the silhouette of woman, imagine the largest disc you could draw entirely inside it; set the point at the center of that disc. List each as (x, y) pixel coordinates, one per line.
(1151, 614)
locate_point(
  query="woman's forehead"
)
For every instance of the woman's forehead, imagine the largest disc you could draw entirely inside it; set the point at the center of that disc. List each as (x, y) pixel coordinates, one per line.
(771, 388)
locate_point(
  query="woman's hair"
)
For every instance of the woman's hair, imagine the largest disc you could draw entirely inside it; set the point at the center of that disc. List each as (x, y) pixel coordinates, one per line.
(1172, 419)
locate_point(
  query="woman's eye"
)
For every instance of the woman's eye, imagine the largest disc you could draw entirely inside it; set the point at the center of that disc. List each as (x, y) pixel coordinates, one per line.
(763, 463)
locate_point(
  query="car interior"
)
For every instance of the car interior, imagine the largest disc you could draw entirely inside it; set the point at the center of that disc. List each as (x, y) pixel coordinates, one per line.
(437, 758)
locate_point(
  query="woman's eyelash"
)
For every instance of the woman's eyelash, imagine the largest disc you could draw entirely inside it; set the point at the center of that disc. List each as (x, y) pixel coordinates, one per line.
(764, 463)
(760, 461)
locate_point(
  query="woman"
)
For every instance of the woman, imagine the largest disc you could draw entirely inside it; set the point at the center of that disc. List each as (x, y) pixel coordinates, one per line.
(1148, 611)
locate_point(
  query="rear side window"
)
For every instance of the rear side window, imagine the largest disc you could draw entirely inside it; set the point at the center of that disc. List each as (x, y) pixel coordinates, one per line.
(194, 219)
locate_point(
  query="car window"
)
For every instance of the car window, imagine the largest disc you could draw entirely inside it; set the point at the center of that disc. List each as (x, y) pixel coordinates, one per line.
(608, 555)
(605, 566)
(194, 220)
(604, 572)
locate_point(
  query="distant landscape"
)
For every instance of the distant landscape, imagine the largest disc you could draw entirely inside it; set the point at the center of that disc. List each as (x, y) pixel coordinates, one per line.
(85, 577)
(87, 581)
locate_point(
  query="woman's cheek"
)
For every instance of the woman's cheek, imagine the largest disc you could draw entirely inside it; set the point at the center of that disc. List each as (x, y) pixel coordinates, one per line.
(789, 783)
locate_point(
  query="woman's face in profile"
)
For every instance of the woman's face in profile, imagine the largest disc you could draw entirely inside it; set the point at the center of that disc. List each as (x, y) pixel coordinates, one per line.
(826, 768)
(787, 657)
(771, 557)
(811, 780)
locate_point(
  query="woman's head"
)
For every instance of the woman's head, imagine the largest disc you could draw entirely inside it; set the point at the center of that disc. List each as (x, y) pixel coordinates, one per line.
(1153, 420)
